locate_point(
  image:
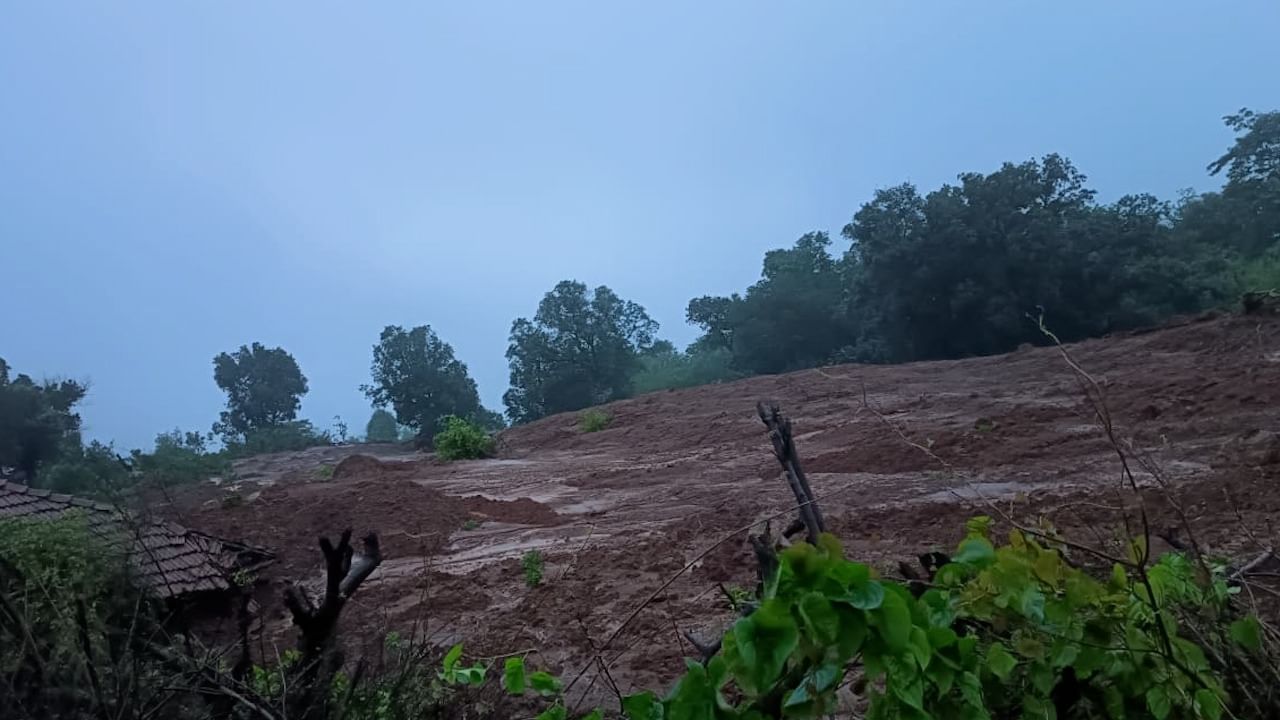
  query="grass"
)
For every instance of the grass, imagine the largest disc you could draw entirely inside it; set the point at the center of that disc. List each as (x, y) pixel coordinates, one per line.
(325, 472)
(594, 421)
(531, 562)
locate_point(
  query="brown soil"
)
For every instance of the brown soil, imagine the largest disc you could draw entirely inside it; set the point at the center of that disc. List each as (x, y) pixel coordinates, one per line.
(901, 455)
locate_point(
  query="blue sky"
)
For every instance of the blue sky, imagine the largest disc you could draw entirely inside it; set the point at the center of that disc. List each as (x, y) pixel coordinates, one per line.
(177, 179)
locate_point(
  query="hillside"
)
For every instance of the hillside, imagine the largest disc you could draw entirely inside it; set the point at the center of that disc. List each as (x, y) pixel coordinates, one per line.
(900, 455)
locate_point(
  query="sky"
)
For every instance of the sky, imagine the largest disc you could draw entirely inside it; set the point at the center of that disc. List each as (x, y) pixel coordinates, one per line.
(179, 179)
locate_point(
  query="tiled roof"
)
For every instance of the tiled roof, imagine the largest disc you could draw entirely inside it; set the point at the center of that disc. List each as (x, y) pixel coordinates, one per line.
(168, 559)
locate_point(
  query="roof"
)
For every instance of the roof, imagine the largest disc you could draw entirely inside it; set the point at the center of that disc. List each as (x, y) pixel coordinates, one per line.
(167, 558)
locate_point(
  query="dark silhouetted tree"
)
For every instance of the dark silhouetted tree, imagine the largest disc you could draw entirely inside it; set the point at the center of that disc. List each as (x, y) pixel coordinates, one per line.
(264, 388)
(381, 428)
(416, 373)
(37, 421)
(580, 349)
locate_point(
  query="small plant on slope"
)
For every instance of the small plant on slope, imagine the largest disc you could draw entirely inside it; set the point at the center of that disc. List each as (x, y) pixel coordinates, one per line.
(462, 440)
(531, 563)
(594, 421)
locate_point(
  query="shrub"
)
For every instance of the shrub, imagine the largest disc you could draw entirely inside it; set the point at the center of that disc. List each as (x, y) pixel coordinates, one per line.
(462, 440)
(296, 435)
(666, 371)
(594, 421)
(531, 563)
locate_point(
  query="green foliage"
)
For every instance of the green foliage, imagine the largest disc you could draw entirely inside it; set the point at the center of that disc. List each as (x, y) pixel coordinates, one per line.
(264, 388)
(92, 470)
(417, 374)
(531, 564)
(462, 440)
(381, 428)
(180, 458)
(37, 420)
(664, 368)
(594, 421)
(1255, 274)
(284, 437)
(581, 349)
(1001, 632)
(66, 598)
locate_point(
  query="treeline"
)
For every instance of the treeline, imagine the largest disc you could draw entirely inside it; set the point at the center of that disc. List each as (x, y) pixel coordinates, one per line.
(964, 269)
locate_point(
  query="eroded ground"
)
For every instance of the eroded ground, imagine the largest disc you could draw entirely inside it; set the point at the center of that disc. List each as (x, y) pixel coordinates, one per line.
(899, 454)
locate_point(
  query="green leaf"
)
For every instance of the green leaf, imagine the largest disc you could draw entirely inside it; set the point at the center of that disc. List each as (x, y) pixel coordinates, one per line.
(544, 683)
(1208, 705)
(642, 706)
(905, 682)
(866, 595)
(692, 698)
(920, 648)
(473, 675)
(893, 620)
(941, 637)
(596, 714)
(1158, 702)
(1038, 708)
(555, 712)
(1247, 632)
(819, 617)
(513, 675)
(852, 631)
(1000, 662)
(978, 526)
(975, 551)
(761, 645)
(452, 657)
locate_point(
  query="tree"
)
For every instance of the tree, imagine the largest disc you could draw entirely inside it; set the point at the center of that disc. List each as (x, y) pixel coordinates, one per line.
(1252, 192)
(381, 428)
(37, 421)
(264, 388)
(580, 349)
(416, 373)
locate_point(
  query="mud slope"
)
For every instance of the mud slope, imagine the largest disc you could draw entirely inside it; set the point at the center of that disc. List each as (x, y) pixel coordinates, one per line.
(616, 512)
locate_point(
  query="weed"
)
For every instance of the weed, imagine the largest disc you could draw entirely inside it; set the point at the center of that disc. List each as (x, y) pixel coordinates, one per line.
(325, 472)
(532, 564)
(594, 421)
(471, 524)
(234, 499)
(462, 440)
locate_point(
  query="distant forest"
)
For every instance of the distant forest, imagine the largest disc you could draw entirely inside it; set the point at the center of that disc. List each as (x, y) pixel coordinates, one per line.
(964, 269)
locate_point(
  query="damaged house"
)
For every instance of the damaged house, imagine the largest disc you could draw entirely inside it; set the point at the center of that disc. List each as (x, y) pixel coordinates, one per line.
(195, 574)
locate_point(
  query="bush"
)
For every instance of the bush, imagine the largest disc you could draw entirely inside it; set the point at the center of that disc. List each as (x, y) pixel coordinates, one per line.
(667, 371)
(462, 440)
(594, 421)
(296, 435)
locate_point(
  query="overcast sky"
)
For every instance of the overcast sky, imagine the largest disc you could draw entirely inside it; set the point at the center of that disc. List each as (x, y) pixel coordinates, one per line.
(177, 179)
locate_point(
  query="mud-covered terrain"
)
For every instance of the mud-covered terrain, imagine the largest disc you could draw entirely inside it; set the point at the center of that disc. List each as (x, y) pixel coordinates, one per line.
(900, 456)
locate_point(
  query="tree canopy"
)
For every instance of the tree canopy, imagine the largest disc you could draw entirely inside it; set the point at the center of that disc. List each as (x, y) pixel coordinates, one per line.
(37, 420)
(580, 349)
(382, 427)
(417, 374)
(264, 388)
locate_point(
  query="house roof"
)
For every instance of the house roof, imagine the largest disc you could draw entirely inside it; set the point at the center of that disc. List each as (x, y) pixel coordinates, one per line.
(167, 558)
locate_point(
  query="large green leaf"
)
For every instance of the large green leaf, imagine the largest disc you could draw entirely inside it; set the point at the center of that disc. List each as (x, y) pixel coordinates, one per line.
(761, 645)
(555, 712)
(1208, 705)
(819, 618)
(692, 698)
(893, 621)
(865, 595)
(1247, 632)
(999, 661)
(513, 675)
(642, 706)
(975, 551)
(1158, 702)
(544, 683)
